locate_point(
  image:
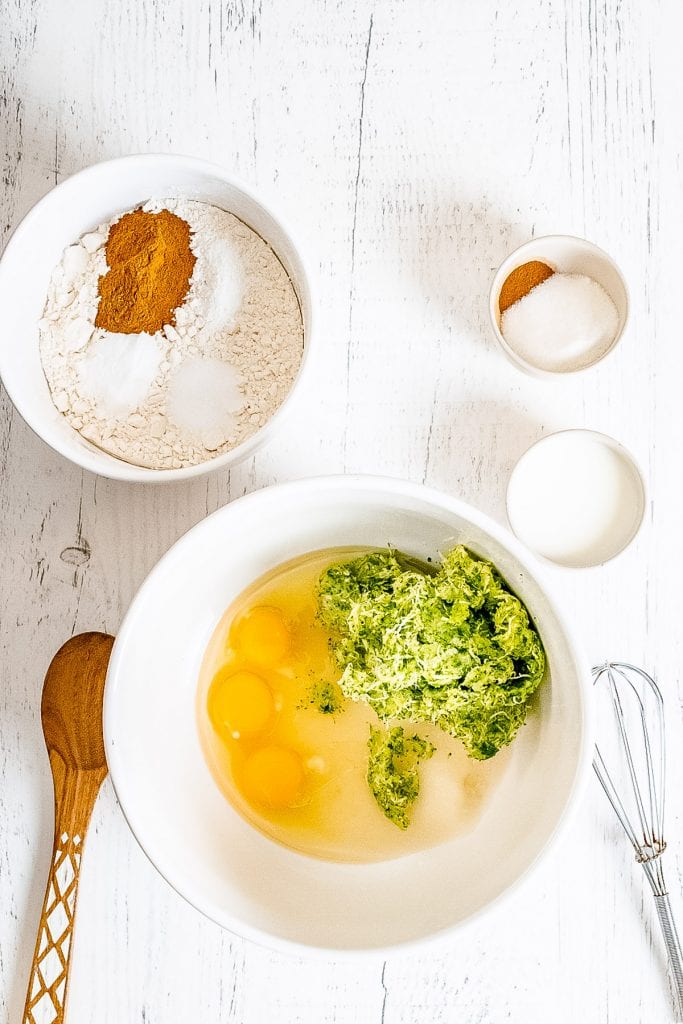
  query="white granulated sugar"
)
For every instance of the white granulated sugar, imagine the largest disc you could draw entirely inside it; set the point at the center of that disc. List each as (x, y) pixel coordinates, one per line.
(203, 398)
(566, 322)
(189, 392)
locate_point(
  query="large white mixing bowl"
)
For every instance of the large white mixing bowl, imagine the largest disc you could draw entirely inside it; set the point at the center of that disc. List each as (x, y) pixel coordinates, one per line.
(195, 838)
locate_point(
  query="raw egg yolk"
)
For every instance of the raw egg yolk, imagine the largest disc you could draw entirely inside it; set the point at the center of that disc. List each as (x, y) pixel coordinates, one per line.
(262, 637)
(240, 702)
(274, 776)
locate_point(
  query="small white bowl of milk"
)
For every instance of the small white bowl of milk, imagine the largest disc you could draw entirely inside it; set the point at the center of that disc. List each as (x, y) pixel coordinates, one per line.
(576, 498)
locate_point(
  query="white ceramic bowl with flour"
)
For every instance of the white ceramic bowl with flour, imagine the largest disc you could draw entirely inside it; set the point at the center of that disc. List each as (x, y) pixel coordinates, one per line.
(78, 205)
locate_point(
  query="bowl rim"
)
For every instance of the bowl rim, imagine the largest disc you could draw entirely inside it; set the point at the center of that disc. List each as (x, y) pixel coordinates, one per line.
(629, 458)
(129, 472)
(510, 263)
(398, 489)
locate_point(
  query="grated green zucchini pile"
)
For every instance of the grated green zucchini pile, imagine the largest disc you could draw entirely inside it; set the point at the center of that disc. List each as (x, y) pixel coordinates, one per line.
(456, 648)
(393, 776)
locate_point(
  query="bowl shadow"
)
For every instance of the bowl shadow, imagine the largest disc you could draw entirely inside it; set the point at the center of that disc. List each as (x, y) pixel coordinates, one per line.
(458, 244)
(472, 448)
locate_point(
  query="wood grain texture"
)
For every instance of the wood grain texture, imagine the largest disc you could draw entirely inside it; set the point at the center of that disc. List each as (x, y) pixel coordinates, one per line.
(411, 145)
(71, 716)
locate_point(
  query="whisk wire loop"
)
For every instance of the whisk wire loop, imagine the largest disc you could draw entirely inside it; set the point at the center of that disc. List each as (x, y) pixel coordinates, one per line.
(643, 755)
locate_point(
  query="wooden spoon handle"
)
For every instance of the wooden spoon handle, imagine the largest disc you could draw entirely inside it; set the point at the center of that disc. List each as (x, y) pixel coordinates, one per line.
(75, 794)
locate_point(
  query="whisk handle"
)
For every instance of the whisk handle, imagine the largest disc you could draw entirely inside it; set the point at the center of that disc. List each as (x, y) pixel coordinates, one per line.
(673, 945)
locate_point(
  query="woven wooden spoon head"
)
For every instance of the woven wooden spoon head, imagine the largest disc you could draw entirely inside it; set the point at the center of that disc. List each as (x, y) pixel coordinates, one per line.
(71, 708)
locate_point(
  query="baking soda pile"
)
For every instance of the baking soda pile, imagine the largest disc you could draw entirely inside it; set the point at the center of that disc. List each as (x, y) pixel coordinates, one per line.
(186, 393)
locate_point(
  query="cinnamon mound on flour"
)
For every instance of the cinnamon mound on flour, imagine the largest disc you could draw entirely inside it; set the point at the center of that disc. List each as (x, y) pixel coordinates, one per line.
(223, 360)
(150, 265)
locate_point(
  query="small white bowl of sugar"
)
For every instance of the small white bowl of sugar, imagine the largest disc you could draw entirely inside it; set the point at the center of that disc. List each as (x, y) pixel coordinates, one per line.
(558, 305)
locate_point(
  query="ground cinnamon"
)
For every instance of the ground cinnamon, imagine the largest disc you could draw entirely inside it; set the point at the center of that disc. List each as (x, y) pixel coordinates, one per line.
(521, 281)
(150, 265)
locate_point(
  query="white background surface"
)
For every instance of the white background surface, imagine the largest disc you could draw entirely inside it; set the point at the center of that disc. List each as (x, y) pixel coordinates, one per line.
(412, 144)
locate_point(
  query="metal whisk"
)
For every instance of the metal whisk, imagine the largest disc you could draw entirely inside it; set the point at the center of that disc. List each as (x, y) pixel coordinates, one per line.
(639, 802)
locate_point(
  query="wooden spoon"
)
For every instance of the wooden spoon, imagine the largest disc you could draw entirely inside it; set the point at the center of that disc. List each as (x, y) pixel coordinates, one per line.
(71, 713)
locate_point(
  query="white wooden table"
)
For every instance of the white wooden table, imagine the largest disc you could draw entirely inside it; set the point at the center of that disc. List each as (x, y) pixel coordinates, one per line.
(412, 143)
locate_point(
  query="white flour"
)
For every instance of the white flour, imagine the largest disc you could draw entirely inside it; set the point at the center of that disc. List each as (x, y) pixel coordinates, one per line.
(163, 401)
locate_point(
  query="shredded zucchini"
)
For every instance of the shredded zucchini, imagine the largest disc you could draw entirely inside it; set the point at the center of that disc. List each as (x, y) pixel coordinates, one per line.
(393, 771)
(456, 648)
(326, 697)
